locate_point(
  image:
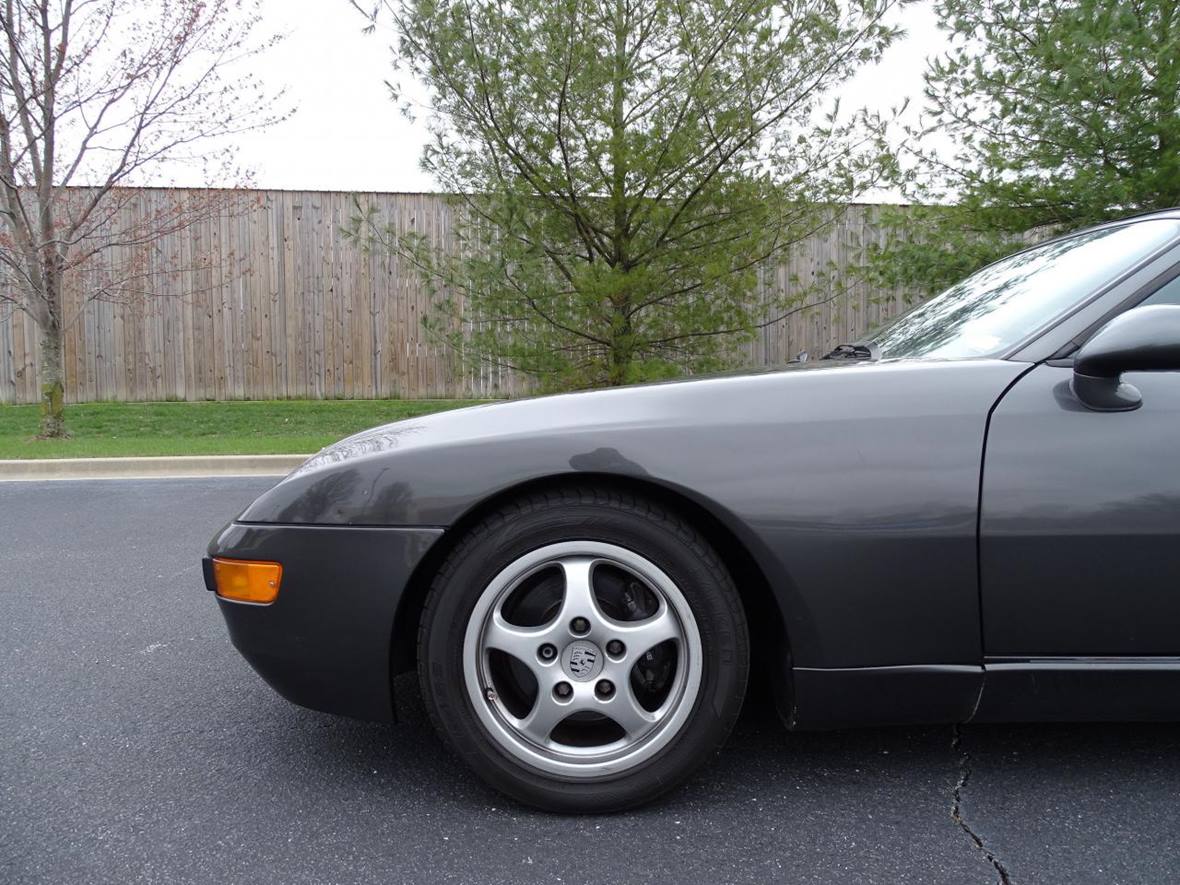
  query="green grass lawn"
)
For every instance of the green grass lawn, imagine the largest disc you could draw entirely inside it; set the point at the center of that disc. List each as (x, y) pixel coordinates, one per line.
(104, 430)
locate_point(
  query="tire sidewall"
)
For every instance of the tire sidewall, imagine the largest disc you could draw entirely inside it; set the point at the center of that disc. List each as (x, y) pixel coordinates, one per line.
(668, 544)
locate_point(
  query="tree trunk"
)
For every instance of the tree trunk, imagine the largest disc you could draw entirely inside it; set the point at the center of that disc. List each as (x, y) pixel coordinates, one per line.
(621, 355)
(53, 388)
(621, 352)
(617, 370)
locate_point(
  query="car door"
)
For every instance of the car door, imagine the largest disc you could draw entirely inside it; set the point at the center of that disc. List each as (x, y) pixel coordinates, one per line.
(1080, 547)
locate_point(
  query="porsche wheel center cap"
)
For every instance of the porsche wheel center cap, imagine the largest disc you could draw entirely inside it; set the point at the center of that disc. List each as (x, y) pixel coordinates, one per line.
(582, 660)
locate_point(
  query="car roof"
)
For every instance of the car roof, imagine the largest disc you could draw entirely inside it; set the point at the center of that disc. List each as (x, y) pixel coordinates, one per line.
(1149, 215)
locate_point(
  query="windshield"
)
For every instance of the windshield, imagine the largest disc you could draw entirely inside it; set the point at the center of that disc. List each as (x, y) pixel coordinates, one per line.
(995, 308)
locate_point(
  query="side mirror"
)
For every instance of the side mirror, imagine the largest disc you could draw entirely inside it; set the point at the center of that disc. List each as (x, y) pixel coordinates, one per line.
(1145, 339)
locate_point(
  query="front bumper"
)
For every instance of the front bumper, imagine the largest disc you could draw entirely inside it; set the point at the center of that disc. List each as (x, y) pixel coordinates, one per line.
(325, 643)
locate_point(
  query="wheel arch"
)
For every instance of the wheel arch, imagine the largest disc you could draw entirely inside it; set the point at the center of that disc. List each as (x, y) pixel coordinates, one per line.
(769, 636)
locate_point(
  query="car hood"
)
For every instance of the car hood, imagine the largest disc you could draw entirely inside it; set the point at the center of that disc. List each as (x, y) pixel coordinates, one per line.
(749, 427)
(632, 405)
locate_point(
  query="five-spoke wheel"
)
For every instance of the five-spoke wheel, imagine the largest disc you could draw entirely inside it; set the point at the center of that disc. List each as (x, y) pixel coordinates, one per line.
(582, 658)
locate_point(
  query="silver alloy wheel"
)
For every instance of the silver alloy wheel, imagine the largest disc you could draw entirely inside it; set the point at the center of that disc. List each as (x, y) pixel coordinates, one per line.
(570, 667)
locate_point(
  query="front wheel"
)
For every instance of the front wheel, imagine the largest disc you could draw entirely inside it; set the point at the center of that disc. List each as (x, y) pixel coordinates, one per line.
(583, 650)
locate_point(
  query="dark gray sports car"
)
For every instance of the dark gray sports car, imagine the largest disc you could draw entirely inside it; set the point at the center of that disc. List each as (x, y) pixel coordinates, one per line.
(973, 516)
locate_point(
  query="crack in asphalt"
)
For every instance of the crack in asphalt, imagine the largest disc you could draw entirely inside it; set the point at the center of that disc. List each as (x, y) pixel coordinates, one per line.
(1005, 878)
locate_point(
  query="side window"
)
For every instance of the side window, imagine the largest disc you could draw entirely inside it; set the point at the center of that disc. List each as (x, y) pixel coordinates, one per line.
(1168, 293)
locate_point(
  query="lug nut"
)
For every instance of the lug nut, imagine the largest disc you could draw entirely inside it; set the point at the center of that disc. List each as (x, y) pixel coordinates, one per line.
(547, 652)
(563, 689)
(615, 648)
(605, 688)
(580, 626)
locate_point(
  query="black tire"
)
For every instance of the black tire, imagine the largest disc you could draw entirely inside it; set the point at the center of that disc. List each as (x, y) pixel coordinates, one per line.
(582, 513)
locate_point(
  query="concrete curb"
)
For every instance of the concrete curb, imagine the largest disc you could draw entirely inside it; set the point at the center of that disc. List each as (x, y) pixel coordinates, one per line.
(149, 468)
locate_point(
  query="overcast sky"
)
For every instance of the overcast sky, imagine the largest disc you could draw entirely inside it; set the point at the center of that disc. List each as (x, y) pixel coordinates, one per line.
(348, 135)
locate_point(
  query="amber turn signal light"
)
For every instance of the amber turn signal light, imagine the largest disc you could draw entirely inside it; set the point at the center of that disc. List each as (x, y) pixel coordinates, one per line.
(244, 581)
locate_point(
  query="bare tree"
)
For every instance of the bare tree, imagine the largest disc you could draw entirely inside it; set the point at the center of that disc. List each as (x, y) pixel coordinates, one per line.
(94, 96)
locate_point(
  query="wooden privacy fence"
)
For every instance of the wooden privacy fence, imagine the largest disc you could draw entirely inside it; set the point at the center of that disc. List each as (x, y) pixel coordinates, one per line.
(286, 307)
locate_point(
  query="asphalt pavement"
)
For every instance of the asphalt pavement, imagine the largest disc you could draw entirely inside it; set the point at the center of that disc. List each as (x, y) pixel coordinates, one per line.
(136, 746)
